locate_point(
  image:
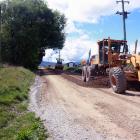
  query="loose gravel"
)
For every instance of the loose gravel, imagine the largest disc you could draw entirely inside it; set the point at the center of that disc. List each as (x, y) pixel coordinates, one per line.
(59, 123)
(71, 112)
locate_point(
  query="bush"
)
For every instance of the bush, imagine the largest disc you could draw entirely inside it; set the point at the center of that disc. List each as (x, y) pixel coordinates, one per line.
(73, 69)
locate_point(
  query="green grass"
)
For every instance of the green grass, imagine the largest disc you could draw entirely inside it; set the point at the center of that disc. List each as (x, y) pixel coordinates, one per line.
(16, 123)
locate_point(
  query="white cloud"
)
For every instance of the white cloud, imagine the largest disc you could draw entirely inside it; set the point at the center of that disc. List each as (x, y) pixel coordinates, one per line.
(78, 49)
(71, 28)
(132, 47)
(81, 11)
(89, 10)
(134, 4)
(75, 49)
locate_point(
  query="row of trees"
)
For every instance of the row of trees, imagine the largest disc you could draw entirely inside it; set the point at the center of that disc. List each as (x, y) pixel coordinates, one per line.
(28, 28)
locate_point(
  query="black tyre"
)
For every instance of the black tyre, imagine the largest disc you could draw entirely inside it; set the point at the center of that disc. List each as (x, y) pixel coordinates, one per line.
(88, 74)
(117, 80)
(84, 74)
(94, 70)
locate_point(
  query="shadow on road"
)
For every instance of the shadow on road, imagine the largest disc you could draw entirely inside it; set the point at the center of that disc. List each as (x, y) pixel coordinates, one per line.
(128, 93)
(134, 86)
(43, 72)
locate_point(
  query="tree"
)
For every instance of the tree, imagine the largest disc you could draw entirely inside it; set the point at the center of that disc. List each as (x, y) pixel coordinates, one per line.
(28, 28)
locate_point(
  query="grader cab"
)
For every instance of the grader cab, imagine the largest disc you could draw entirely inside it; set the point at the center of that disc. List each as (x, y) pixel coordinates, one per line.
(114, 61)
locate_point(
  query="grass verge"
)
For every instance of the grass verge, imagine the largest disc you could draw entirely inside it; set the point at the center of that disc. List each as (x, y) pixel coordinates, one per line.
(16, 123)
(77, 70)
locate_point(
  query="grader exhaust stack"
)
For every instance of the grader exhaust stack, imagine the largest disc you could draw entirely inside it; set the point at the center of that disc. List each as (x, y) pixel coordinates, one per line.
(136, 44)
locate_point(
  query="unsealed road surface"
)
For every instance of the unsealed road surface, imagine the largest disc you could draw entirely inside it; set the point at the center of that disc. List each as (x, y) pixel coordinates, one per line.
(72, 112)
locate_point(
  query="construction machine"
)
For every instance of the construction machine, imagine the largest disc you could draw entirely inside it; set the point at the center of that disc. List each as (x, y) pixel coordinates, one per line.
(59, 64)
(114, 61)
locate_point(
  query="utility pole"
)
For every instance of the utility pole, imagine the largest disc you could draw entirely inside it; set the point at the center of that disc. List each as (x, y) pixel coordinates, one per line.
(59, 59)
(59, 55)
(124, 15)
(89, 55)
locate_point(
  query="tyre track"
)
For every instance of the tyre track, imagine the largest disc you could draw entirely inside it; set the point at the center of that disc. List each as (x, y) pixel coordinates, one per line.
(77, 80)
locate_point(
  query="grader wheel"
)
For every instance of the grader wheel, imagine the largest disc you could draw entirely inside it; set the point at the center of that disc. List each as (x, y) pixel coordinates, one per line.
(117, 80)
(84, 74)
(88, 74)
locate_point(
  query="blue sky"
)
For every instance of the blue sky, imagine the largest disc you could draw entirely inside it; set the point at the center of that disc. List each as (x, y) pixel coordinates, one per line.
(112, 26)
(89, 21)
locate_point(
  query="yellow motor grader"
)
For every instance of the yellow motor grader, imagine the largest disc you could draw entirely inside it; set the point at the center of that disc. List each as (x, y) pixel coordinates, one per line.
(113, 60)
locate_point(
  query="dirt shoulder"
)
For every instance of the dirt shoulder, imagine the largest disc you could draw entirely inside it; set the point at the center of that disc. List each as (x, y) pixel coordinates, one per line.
(72, 112)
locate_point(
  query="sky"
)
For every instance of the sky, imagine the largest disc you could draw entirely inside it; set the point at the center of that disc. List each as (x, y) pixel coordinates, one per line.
(89, 21)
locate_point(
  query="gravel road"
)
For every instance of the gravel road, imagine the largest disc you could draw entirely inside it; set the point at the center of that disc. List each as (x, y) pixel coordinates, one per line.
(72, 112)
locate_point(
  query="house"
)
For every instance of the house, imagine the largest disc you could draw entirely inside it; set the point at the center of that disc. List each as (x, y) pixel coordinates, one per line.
(47, 64)
(70, 64)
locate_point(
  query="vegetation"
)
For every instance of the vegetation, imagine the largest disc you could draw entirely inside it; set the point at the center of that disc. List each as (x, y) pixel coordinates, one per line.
(73, 69)
(16, 123)
(28, 28)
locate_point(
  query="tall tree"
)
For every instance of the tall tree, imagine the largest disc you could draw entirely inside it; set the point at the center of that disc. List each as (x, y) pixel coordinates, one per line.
(28, 28)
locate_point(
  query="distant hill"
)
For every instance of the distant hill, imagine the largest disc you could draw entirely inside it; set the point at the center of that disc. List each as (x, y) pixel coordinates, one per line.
(46, 64)
(77, 63)
(52, 64)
